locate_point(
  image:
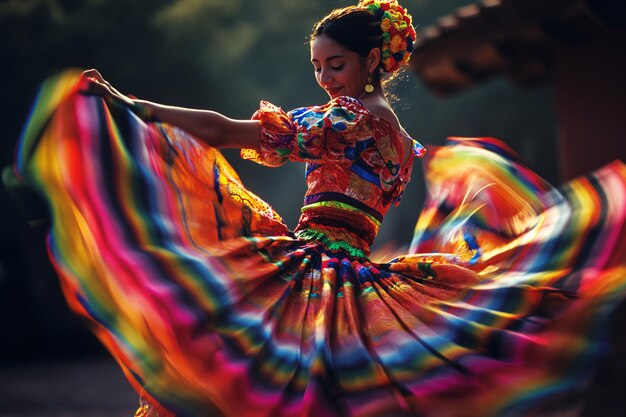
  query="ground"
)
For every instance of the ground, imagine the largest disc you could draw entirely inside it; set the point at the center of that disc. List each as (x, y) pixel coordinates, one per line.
(69, 388)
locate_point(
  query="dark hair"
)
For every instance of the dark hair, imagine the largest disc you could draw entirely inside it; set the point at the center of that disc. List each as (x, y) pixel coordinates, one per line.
(353, 27)
(358, 30)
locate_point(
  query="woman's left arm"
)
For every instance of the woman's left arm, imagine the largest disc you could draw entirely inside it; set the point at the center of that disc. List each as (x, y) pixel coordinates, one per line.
(211, 127)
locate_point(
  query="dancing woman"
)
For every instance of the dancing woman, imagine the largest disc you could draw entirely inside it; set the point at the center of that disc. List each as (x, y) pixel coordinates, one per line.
(210, 304)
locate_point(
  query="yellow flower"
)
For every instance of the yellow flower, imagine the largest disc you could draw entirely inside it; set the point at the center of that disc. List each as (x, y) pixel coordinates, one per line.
(395, 16)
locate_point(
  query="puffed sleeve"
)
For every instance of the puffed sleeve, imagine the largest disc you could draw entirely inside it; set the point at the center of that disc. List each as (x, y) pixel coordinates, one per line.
(277, 136)
(316, 134)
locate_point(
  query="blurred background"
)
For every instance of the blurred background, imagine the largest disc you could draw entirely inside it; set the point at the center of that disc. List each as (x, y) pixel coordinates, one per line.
(517, 70)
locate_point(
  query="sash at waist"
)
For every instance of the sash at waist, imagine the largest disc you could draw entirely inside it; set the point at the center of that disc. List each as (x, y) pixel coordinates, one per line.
(338, 222)
(339, 199)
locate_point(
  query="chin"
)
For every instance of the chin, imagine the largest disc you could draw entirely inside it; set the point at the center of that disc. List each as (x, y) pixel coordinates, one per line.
(335, 93)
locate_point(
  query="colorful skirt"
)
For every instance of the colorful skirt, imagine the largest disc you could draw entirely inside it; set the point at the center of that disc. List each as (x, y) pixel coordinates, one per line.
(211, 306)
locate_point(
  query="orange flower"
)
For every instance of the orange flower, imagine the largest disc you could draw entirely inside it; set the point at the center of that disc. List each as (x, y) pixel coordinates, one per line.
(396, 44)
(385, 25)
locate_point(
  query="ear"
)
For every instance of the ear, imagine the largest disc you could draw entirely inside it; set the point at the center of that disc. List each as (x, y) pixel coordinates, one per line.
(373, 60)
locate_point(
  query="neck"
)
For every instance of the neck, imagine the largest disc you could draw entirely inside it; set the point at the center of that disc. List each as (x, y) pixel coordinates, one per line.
(378, 91)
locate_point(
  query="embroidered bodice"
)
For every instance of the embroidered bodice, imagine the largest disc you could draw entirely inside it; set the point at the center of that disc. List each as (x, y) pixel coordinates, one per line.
(356, 166)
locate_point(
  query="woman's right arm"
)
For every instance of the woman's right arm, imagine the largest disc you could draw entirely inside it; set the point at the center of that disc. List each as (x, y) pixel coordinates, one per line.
(211, 127)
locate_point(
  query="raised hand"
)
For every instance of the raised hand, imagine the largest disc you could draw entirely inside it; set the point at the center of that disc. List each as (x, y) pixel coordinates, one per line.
(101, 87)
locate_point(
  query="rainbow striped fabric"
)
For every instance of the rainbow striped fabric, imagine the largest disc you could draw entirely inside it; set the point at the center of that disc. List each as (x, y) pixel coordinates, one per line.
(500, 308)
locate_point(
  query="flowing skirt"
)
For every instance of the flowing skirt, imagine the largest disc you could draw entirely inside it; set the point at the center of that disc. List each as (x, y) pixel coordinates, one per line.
(501, 307)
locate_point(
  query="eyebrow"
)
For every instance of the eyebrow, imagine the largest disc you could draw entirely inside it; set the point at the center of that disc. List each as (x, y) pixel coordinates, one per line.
(329, 58)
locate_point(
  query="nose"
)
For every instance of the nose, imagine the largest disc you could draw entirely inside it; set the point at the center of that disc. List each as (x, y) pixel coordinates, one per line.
(326, 78)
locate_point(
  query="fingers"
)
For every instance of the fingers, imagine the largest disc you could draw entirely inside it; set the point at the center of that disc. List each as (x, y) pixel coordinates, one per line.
(94, 75)
(99, 86)
(99, 89)
(105, 91)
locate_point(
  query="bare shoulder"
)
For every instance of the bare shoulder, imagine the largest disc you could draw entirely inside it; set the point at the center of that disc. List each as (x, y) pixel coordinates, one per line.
(381, 109)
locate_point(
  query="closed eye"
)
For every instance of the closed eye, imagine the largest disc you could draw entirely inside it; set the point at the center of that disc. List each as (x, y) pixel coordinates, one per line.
(333, 67)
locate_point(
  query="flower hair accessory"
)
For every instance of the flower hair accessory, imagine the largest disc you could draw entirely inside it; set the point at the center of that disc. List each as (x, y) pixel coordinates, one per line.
(398, 32)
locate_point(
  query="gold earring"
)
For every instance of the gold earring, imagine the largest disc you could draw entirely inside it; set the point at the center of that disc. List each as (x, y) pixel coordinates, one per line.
(369, 87)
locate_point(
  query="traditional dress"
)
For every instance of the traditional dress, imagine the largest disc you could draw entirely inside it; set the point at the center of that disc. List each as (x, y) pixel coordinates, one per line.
(212, 306)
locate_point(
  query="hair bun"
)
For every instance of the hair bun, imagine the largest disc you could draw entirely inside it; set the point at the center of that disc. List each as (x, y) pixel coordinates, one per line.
(398, 32)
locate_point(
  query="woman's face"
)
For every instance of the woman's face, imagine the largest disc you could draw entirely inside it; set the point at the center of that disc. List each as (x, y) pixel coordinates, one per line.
(339, 71)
